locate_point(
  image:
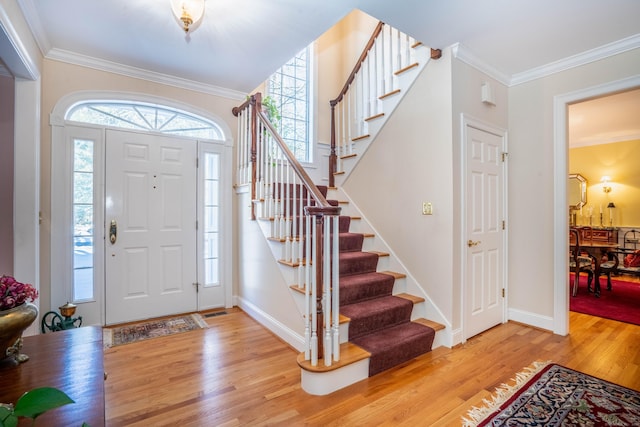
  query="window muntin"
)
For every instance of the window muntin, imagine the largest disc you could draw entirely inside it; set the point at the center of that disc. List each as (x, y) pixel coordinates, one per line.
(290, 89)
(83, 220)
(147, 117)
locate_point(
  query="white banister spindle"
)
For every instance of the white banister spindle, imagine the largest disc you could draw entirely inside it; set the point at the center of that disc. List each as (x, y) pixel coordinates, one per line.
(326, 292)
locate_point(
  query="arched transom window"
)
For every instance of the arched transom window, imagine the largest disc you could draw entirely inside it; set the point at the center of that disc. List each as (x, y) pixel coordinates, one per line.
(143, 116)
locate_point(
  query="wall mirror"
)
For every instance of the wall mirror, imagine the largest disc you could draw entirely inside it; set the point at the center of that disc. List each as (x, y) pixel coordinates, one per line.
(577, 191)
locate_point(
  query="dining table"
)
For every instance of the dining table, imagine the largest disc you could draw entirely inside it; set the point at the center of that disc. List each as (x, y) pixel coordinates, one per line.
(69, 360)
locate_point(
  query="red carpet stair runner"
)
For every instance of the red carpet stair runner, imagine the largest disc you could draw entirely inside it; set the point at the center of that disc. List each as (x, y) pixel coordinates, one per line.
(379, 322)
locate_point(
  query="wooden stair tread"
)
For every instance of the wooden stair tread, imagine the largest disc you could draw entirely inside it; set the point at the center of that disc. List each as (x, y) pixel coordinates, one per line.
(377, 116)
(386, 95)
(339, 173)
(430, 323)
(358, 138)
(349, 353)
(292, 263)
(407, 68)
(395, 274)
(368, 234)
(348, 156)
(380, 254)
(413, 298)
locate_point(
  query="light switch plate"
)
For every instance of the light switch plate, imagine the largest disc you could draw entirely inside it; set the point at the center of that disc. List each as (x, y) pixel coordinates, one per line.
(427, 208)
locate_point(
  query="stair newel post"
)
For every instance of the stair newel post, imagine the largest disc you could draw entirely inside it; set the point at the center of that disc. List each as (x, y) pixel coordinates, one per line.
(335, 286)
(256, 102)
(333, 159)
(323, 265)
(307, 287)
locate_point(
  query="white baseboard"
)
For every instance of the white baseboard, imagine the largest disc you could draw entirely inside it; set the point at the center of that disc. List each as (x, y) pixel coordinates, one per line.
(288, 335)
(533, 319)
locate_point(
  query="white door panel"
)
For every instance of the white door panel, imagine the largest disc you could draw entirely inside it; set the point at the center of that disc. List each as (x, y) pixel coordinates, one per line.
(484, 272)
(151, 196)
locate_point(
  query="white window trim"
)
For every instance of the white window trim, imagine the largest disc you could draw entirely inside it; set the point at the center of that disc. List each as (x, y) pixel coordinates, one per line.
(312, 85)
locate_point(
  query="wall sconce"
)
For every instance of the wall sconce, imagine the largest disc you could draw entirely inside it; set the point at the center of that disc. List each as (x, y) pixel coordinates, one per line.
(187, 12)
(605, 180)
(611, 207)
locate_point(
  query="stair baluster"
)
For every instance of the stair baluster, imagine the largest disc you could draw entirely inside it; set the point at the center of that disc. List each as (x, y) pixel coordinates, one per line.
(373, 76)
(289, 198)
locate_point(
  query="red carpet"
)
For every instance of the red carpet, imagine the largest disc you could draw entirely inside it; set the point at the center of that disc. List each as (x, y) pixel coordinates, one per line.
(621, 303)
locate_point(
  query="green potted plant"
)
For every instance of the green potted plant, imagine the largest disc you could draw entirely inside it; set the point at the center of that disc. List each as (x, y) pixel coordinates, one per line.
(32, 404)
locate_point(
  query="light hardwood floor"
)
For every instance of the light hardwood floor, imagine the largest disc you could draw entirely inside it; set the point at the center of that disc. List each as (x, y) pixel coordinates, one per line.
(237, 373)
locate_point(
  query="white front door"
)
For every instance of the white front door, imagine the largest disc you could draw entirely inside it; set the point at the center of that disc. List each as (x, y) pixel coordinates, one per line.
(150, 219)
(484, 272)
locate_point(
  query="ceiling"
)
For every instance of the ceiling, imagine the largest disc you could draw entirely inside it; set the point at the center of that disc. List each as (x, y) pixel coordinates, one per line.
(239, 43)
(612, 118)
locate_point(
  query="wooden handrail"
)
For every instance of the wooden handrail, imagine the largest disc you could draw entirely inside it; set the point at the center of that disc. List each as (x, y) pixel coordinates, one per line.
(333, 158)
(295, 164)
(358, 65)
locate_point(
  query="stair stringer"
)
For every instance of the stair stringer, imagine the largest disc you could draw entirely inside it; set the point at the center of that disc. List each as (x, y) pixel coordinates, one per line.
(405, 80)
(426, 309)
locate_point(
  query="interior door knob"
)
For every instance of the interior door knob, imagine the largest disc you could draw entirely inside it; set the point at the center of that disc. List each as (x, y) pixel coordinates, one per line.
(471, 243)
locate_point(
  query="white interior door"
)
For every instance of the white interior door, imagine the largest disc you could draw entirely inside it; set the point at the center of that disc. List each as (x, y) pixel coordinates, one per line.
(484, 272)
(150, 188)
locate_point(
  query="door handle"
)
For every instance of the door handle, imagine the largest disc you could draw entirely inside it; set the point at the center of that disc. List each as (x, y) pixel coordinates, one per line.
(471, 243)
(113, 232)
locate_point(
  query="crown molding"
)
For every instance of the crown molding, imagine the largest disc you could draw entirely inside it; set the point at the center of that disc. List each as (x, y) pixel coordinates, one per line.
(602, 52)
(613, 140)
(465, 55)
(16, 56)
(32, 17)
(138, 73)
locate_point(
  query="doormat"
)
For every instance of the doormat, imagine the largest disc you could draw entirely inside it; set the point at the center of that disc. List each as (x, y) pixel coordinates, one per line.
(553, 395)
(127, 334)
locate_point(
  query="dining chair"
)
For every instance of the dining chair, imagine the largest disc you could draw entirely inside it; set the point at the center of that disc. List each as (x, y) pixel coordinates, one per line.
(578, 263)
(608, 265)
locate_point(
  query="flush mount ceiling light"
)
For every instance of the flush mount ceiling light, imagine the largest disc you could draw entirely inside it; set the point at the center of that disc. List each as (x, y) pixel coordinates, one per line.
(187, 12)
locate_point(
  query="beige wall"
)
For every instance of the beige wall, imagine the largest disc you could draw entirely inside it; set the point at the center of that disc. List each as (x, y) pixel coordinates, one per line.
(531, 177)
(6, 174)
(60, 79)
(620, 162)
(408, 163)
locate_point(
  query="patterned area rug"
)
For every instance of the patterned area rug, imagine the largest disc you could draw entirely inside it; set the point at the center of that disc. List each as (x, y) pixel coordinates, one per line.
(151, 329)
(553, 395)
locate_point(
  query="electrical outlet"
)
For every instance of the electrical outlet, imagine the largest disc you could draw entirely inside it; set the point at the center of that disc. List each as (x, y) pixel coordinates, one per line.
(427, 208)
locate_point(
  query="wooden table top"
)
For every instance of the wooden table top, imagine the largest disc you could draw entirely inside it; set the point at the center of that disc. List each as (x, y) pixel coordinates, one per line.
(71, 361)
